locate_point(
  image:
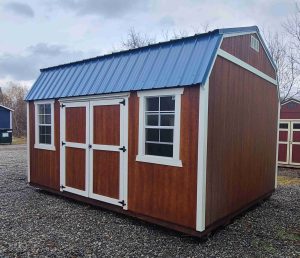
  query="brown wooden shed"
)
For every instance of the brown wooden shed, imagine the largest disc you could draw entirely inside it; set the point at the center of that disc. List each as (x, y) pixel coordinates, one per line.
(289, 134)
(180, 133)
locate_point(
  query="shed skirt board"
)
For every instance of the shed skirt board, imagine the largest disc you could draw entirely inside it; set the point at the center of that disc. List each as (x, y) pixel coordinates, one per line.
(92, 153)
(289, 143)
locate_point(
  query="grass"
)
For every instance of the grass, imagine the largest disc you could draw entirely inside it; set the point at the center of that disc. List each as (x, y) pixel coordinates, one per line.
(21, 140)
(285, 180)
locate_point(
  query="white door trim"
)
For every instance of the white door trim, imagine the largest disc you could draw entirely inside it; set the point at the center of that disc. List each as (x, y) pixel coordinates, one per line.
(292, 130)
(202, 157)
(73, 145)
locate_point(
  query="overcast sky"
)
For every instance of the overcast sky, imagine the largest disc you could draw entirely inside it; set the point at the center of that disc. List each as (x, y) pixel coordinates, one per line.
(42, 33)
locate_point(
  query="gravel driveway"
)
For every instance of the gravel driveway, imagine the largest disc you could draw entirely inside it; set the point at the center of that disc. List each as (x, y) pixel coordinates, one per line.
(34, 223)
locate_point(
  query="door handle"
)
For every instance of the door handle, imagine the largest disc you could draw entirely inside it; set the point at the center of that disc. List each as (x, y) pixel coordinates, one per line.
(122, 149)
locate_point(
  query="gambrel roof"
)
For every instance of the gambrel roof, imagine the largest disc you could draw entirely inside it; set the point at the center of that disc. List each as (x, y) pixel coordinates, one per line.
(175, 63)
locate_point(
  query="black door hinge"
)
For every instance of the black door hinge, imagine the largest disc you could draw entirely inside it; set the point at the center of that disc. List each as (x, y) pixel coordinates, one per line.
(90, 146)
(122, 203)
(62, 187)
(122, 149)
(62, 105)
(63, 143)
(122, 102)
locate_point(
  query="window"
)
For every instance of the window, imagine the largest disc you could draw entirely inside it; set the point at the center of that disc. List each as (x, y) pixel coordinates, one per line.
(283, 126)
(159, 127)
(254, 43)
(44, 129)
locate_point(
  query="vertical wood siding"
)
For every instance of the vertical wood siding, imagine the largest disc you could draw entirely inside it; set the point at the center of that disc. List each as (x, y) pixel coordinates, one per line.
(242, 132)
(290, 112)
(165, 192)
(239, 46)
(44, 164)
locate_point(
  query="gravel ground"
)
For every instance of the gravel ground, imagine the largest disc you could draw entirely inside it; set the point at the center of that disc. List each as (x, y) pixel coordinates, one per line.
(34, 223)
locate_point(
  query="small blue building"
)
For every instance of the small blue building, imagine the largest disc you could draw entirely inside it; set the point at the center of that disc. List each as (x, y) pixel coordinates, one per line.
(5, 117)
(5, 124)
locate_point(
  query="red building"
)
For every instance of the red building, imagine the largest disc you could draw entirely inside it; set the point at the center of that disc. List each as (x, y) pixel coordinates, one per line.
(289, 134)
(169, 133)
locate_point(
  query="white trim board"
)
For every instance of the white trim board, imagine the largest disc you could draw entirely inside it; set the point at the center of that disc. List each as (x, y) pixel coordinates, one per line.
(202, 156)
(95, 97)
(28, 144)
(246, 66)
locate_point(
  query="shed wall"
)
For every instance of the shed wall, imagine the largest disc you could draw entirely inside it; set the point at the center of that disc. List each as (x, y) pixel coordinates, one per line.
(290, 110)
(242, 133)
(44, 164)
(239, 46)
(158, 191)
(4, 118)
(165, 192)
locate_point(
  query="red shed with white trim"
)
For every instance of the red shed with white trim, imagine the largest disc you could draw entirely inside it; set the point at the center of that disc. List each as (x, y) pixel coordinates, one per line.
(169, 133)
(289, 134)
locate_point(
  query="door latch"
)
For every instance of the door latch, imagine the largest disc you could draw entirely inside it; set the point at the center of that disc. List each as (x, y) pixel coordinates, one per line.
(62, 187)
(122, 202)
(62, 105)
(63, 143)
(90, 146)
(122, 149)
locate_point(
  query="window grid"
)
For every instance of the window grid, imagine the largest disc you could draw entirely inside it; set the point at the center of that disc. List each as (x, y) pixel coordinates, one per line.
(159, 126)
(44, 124)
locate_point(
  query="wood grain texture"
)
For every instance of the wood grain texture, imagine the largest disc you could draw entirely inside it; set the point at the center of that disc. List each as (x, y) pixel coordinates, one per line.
(239, 46)
(242, 133)
(44, 164)
(76, 124)
(107, 125)
(165, 192)
(75, 168)
(289, 111)
(106, 175)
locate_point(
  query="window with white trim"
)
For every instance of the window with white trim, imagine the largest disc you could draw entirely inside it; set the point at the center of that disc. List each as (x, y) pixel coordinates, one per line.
(44, 125)
(159, 127)
(254, 43)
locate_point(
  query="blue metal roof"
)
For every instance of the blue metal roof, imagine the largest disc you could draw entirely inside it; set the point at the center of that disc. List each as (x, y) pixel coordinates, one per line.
(174, 63)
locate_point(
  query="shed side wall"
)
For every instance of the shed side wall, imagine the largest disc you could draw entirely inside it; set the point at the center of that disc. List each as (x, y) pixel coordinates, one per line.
(239, 46)
(165, 192)
(4, 118)
(289, 111)
(242, 133)
(44, 164)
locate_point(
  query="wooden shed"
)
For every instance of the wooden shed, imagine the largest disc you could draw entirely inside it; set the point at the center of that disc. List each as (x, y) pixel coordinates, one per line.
(5, 124)
(289, 134)
(180, 133)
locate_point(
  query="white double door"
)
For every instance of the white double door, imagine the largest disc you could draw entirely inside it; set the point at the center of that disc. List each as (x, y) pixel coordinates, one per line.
(93, 154)
(289, 142)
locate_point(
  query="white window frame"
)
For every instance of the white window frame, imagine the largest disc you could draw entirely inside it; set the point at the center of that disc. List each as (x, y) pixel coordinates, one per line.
(38, 145)
(142, 157)
(254, 43)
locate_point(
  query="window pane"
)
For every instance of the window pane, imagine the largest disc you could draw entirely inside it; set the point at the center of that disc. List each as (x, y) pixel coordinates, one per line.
(41, 119)
(152, 104)
(167, 103)
(152, 135)
(167, 120)
(47, 119)
(151, 119)
(48, 139)
(283, 126)
(296, 126)
(47, 129)
(42, 129)
(164, 150)
(42, 138)
(166, 135)
(48, 109)
(41, 108)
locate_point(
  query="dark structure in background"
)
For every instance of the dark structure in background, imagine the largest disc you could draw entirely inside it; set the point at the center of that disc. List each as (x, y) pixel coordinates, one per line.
(181, 133)
(5, 125)
(289, 134)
